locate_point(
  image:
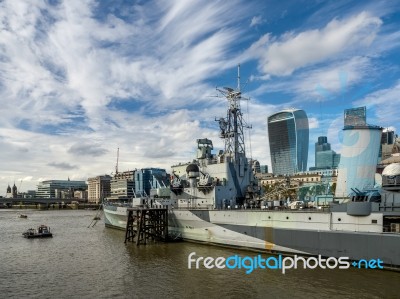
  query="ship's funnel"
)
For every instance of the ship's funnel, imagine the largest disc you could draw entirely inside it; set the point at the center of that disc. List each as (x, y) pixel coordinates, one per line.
(358, 160)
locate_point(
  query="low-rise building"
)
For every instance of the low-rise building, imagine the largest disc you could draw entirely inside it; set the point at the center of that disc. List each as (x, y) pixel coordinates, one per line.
(59, 188)
(292, 180)
(81, 195)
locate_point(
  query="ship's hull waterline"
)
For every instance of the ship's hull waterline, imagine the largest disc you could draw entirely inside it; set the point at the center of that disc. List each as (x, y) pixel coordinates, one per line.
(252, 229)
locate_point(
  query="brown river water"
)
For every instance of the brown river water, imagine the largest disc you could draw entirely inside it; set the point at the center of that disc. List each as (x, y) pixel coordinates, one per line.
(82, 262)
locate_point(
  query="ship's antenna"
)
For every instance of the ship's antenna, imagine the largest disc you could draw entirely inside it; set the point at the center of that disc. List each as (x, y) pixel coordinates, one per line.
(248, 116)
(116, 165)
(232, 126)
(238, 78)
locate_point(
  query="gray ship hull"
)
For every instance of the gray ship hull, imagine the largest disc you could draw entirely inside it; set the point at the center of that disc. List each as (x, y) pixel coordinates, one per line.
(354, 245)
(267, 231)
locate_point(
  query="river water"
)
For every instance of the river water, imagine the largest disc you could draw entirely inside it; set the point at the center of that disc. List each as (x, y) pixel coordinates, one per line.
(82, 262)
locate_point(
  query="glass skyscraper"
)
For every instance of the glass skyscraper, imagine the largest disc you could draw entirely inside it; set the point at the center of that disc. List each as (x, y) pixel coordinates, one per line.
(288, 141)
(355, 117)
(150, 178)
(325, 157)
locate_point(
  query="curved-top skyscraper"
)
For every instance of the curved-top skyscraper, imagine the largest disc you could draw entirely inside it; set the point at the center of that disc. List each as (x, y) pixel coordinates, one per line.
(288, 141)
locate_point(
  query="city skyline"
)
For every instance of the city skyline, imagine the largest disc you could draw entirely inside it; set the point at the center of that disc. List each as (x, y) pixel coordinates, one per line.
(80, 79)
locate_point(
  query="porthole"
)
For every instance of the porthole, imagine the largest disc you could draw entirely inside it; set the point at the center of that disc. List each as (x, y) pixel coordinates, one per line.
(309, 218)
(339, 219)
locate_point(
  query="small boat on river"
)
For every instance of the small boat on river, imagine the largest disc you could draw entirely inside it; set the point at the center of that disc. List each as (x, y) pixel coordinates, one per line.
(41, 232)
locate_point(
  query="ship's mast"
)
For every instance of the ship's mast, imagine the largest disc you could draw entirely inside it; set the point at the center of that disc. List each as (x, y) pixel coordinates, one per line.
(232, 126)
(238, 79)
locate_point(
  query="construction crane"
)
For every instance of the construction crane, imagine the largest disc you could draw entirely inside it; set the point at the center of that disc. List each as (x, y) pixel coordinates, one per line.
(116, 166)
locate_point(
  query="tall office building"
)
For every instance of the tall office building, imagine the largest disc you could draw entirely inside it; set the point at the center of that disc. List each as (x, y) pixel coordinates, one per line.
(264, 168)
(122, 185)
(388, 137)
(355, 117)
(387, 144)
(288, 141)
(150, 178)
(325, 157)
(99, 188)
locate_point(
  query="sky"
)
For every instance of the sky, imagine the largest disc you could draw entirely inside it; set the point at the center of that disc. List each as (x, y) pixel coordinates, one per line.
(80, 79)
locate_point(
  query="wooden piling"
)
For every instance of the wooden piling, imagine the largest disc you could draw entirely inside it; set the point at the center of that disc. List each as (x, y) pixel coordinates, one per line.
(145, 224)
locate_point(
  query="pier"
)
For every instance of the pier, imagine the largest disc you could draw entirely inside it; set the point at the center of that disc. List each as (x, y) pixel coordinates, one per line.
(146, 224)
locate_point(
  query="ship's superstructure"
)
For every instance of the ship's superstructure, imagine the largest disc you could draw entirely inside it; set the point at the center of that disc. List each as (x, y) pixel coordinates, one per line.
(216, 181)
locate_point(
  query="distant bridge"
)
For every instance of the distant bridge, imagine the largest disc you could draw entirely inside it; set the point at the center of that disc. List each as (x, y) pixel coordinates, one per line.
(50, 201)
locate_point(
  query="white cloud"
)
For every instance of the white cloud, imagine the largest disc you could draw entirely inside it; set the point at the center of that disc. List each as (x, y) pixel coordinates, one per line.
(257, 20)
(388, 129)
(293, 51)
(327, 82)
(74, 87)
(332, 85)
(313, 123)
(28, 178)
(384, 103)
(335, 133)
(62, 69)
(68, 66)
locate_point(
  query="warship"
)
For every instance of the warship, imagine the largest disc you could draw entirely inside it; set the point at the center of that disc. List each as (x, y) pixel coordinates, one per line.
(210, 200)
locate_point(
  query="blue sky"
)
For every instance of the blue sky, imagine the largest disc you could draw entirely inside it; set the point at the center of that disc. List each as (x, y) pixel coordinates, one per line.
(78, 79)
